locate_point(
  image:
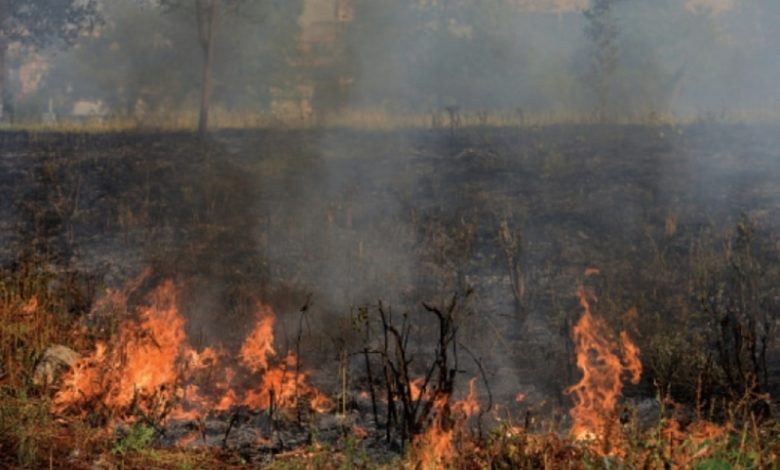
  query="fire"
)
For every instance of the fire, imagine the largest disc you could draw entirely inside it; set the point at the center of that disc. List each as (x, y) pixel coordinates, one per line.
(150, 367)
(282, 385)
(436, 447)
(684, 447)
(259, 345)
(415, 388)
(469, 406)
(603, 360)
(140, 369)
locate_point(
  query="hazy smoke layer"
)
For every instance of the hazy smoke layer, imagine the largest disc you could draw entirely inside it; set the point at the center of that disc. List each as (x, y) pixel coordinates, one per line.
(626, 59)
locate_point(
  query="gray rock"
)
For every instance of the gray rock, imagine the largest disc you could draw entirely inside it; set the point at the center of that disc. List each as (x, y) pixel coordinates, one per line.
(648, 413)
(55, 361)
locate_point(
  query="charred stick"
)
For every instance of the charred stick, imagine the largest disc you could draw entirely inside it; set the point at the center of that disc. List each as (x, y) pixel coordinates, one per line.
(367, 359)
(201, 424)
(344, 364)
(272, 400)
(233, 422)
(482, 372)
(391, 416)
(298, 339)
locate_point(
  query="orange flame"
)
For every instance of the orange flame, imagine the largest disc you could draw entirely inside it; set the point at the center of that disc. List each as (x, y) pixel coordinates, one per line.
(282, 386)
(603, 361)
(699, 440)
(415, 388)
(435, 448)
(151, 367)
(469, 406)
(259, 345)
(141, 368)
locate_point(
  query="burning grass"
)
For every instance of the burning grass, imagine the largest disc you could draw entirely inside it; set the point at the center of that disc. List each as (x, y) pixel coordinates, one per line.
(115, 404)
(149, 370)
(401, 390)
(603, 360)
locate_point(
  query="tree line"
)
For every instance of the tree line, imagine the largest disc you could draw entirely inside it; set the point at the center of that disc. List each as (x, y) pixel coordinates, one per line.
(616, 58)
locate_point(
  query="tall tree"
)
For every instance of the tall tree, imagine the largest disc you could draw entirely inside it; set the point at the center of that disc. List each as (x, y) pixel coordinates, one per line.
(147, 61)
(141, 61)
(208, 14)
(603, 32)
(35, 24)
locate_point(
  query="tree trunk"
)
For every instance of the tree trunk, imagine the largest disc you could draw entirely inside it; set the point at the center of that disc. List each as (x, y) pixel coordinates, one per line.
(3, 77)
(4, 13)
(207, 24)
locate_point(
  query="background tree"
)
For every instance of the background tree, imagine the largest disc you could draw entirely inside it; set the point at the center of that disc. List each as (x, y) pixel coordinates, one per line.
(207, 18)
(689, 62)
(207, 15)
(415, 55)
(147, 63)
(35, 24)
(141, 60)
(602, 30)
(621, 59)
(210, 15)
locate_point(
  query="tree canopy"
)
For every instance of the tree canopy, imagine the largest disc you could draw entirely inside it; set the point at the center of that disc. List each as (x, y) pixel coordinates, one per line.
(148, 57)
(621, 58)
(37, 24)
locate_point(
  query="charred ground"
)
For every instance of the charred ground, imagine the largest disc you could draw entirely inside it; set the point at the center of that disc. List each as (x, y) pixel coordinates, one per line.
(682, 223)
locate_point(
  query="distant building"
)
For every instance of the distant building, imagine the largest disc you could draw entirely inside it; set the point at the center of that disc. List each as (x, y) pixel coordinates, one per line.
(89, 111)
(49, 117)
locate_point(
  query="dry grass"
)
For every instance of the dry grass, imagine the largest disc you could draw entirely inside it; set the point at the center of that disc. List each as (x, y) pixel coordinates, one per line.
(380, 120)
(35, 315)
(37, 309)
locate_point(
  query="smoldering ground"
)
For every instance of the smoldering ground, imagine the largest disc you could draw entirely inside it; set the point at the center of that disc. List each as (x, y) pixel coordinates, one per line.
(656, 164)
(339, 220)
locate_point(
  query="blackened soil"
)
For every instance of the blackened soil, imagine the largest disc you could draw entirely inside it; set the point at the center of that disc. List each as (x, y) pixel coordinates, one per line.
(354, 217)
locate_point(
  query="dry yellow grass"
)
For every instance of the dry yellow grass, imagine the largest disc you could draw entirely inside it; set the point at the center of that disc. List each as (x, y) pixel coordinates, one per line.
(379, 120)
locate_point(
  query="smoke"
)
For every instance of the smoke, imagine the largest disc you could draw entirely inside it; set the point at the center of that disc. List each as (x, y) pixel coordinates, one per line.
(354, 217)
(689, 59)
(670, 57)
(145, 60)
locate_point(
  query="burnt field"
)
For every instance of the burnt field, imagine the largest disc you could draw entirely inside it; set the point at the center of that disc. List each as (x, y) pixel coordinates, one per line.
(385, 271)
